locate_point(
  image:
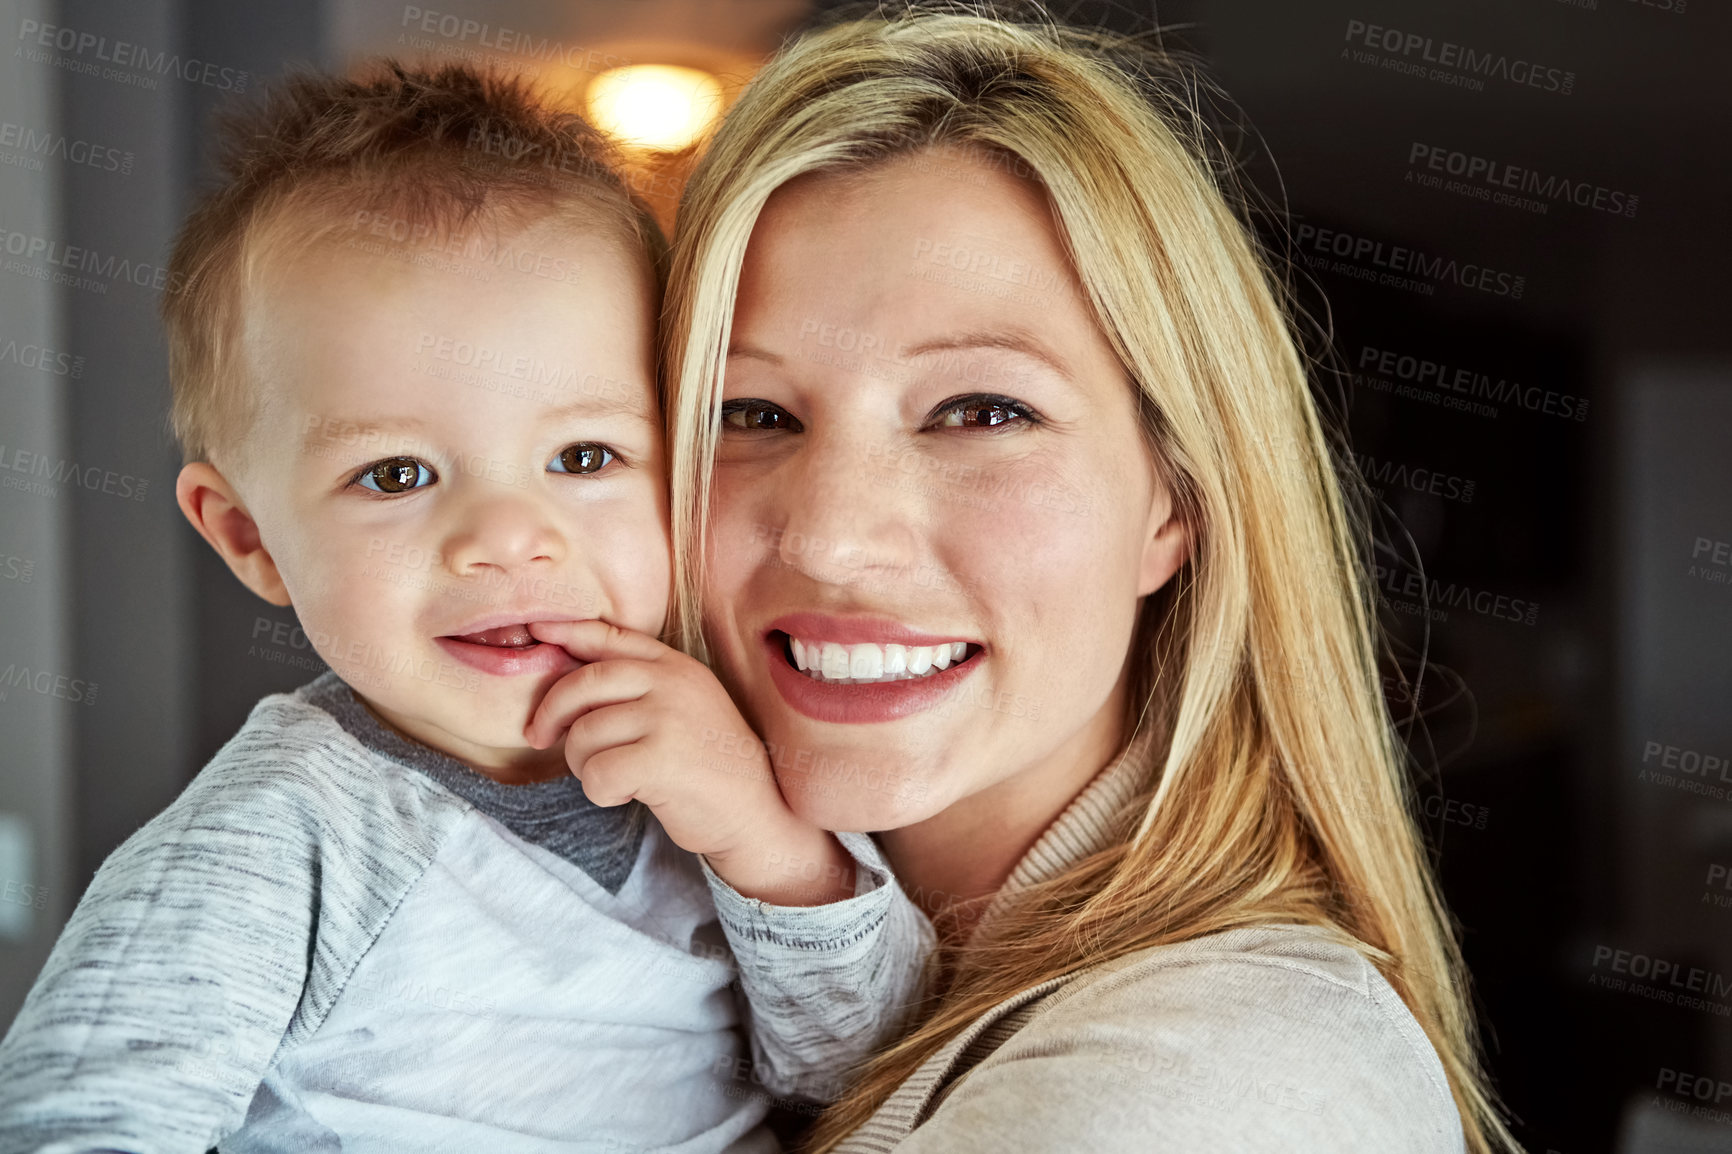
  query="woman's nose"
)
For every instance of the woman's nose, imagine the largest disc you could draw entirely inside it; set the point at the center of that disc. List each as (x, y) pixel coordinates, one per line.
(845, 517)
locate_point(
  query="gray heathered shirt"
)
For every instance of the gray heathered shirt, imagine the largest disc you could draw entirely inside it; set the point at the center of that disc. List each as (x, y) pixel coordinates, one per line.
(340, 939)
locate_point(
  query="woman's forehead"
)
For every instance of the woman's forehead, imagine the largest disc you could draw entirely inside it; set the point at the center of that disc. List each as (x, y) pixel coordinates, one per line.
(972, 247)
(919, 185)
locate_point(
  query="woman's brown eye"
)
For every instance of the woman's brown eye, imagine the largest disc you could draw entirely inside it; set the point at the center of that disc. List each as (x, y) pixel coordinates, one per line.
(756, 416)
(396, 475)
(978, 416)
(584, 458)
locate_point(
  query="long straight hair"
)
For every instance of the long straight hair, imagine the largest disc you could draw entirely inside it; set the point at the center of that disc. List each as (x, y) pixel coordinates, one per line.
(1274, 786)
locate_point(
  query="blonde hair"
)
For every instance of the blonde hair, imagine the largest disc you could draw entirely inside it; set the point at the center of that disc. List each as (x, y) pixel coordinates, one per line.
(424, 151)
(1273, 793)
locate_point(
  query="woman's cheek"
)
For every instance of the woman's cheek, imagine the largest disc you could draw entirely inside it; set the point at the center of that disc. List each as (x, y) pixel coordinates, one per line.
(734, 554)
(1067, 562)
(740, 544)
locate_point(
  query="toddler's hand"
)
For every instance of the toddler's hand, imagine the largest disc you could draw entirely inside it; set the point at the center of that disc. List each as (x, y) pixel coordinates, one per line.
(644, 721)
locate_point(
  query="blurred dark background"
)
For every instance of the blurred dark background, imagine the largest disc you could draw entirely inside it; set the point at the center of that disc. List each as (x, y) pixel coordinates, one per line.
(1509, 214)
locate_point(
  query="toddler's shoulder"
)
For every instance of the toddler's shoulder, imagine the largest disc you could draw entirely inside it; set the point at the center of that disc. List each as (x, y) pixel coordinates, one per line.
(292, 786)
(292, 757)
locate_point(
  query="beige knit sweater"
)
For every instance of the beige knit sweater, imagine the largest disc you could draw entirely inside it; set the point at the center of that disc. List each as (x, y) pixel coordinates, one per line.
(1276, 1038)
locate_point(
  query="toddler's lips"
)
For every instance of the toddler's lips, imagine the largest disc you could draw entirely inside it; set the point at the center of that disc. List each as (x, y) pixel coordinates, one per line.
(507, 651)
(504, 637)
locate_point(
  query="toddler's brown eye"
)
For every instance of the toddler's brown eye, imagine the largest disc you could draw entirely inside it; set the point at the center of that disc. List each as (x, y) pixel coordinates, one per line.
(396, 475)
(583, 458)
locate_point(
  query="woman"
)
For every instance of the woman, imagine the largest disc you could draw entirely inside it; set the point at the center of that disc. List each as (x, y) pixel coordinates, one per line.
(1019, 541)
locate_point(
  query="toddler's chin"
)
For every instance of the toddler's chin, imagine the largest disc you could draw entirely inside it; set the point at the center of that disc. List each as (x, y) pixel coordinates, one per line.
(495, 749)
(465, 728)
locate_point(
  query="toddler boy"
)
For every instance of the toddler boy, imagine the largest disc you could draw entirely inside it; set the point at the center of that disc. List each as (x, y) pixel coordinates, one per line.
(415, 382)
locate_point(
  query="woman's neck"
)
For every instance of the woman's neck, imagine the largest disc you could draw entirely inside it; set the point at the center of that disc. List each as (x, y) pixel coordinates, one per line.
(958, 858)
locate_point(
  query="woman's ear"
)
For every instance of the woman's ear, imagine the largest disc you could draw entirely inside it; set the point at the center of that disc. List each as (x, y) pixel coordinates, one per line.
(1167, 546)
(215, 510)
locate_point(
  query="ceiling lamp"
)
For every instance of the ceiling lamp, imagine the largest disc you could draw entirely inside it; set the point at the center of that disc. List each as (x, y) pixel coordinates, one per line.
(657, 107)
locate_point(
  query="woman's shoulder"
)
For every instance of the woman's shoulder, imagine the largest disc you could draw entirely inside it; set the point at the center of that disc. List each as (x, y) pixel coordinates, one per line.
(1272, 1030)
(1293, 982)
(1304, 964)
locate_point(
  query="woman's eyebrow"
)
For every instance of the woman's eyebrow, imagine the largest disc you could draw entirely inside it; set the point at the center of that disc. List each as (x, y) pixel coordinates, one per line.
(754, 353)
(1014, 341)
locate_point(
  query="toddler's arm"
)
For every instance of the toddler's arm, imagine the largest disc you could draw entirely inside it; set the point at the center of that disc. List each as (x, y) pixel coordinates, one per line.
(171, 987)
(831, 984)
(831, 951)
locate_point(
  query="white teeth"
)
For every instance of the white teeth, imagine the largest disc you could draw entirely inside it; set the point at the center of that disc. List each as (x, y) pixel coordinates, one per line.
(835, 663)
(866, 662)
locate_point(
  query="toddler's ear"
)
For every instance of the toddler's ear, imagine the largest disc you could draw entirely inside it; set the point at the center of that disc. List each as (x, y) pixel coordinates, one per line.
(215, 510)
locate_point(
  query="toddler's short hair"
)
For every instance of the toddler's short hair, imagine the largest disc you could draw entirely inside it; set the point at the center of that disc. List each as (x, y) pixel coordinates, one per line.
(422, 153)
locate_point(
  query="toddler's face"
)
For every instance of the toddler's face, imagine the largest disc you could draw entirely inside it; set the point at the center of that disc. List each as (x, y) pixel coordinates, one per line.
(450, 450)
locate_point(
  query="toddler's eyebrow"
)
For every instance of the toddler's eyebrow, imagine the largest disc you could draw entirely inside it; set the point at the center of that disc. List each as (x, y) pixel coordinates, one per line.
(354, 430)
(609, 399)
(606, 398)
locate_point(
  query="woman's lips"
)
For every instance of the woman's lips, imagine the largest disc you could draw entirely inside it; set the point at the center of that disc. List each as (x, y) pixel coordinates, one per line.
(861, 702)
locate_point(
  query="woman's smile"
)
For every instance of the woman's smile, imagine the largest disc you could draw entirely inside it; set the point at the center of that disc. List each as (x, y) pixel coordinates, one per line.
(862, 670)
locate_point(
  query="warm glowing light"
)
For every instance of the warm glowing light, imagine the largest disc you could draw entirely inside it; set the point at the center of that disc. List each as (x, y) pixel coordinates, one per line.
(655, 106)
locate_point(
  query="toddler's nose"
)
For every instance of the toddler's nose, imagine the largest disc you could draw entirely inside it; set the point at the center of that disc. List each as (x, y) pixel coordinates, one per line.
(503, 531)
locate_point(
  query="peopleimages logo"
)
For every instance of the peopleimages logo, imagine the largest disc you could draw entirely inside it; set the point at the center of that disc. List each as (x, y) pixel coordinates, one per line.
(38, 40)
(28, 355)
(1685, 770)
(33, 144)
(1445, 61)
(46, 683)
(1410, 592)
(1711, 561)
(1454, 387)
(1496, 182)
(462, 30)
(1661, 979)
(1398, 266)
(1415, 479)
(56, 255)
(50, 473)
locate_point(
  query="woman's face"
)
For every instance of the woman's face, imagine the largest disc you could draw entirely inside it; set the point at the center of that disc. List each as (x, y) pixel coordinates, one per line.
(927, 444)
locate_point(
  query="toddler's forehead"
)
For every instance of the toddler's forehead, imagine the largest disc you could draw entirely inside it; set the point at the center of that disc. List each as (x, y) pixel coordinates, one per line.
(488, 245)
(485, 266)
(535, 316)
